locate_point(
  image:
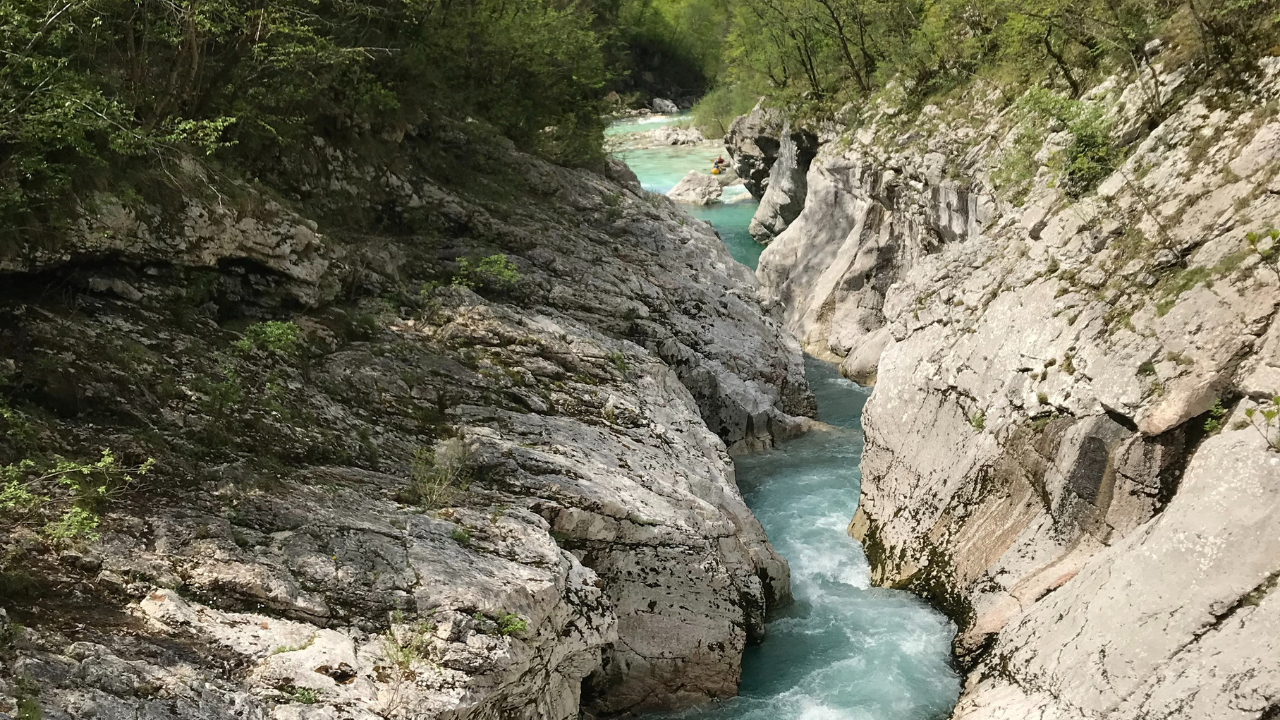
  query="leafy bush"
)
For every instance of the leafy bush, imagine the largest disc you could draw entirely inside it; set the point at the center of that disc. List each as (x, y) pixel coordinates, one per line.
(276, 338)
(439, 473)
(495, 273)
(70, 492)
(511, 624)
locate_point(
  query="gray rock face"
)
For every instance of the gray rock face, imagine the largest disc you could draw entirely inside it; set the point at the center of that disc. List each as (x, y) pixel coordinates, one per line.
(753, 142)
(1058, 454)
(784, 197)
(282, 565)
(697, 188)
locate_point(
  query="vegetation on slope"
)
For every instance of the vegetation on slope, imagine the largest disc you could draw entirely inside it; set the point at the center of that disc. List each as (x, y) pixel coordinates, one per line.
(92, 88)
(817, 55)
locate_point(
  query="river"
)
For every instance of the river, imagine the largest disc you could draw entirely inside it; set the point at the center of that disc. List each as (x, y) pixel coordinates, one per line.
(843, 650)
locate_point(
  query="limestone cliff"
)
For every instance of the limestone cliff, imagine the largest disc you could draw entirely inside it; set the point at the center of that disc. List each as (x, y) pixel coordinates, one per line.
(286, 557)
(1066, 447)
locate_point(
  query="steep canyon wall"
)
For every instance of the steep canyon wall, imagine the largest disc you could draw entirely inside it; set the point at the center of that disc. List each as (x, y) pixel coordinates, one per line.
(1066, 446)
(282, 559)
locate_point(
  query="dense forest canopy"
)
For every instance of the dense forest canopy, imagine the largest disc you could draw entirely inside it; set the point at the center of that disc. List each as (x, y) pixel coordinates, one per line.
(92, 84)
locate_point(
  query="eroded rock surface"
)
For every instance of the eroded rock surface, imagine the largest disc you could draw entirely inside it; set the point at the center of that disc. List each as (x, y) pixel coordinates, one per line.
(1058, 453)
(754, 140)
(784, 196)
(281, 561)
(697, 188)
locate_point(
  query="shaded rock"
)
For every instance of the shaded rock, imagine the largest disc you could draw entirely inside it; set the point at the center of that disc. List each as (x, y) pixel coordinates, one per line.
(784, 196)
(753, 142)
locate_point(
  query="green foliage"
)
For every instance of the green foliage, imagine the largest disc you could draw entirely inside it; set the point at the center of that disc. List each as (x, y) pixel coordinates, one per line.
(304, 696)
(276, 338)
(29, 709)
(461, 535)
(439, 473)
(716, 110)
(1087, 160)
(72, 492)
(95, 86)
(511, 624)
(978, 420)
(619, 361)
(496, 273)
(1214, 422)
(824, 53)
(1265, 421)
(679, 39)
(406, 643)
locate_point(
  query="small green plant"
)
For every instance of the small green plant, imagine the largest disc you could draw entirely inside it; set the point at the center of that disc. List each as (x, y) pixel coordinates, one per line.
(1042, 398)
(511, 624)
(461, 535)
(439, 473)
(25, 690)
(29, 709)
(1214, 422)
(16, 425)
(404, 644)
(304, 696)
(1265, 421)
(1147, 368)
(294, 648)
(281, 339)
(619, 361)
(978, 420)
(1068, 364)
(496, 273)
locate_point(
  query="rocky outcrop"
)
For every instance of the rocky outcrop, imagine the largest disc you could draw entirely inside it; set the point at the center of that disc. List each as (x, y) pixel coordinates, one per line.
(754, 140)
(288, 558)
(785, 192)
(1066, 448)
(660, 137)
(664, 106)
(697, 188)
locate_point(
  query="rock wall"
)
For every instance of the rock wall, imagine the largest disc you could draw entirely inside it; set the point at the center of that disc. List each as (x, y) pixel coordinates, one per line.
(281, 560)
(784, 194)
(1066, 448)
(754, 141)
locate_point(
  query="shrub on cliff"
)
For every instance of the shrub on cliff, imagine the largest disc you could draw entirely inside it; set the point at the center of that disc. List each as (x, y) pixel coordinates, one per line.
(91, 90)
(823, 53)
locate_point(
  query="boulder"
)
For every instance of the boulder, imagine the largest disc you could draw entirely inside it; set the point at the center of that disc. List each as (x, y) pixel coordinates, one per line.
(664, 106)
(697, 188)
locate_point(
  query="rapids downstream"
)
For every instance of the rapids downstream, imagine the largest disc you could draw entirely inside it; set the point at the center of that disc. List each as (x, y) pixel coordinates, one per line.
(844, 650)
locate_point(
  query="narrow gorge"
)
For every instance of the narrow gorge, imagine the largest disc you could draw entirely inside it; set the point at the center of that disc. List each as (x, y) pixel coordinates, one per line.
(670, 359)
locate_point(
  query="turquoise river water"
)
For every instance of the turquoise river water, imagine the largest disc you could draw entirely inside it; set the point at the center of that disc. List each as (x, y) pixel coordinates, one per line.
(843, 650)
